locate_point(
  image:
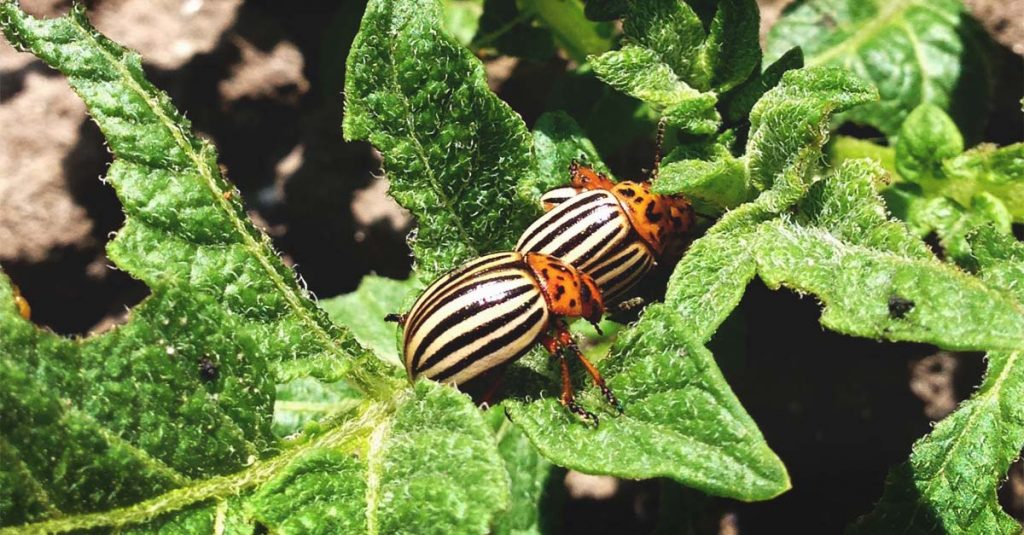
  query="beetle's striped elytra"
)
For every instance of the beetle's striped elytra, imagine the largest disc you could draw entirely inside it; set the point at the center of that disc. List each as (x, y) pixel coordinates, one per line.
(491, 311)
(613, 232)
(592, 232)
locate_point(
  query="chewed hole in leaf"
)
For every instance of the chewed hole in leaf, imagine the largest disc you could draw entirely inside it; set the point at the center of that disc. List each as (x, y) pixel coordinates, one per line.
(58, 215)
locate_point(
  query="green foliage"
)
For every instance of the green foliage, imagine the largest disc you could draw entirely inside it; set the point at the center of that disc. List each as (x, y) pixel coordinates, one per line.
(949, 485)
(639, 72)
(914, 51)
(447, 141)
(308, 426)
(363, 311)
(855, 260)
(681, 420)
(557, 141)
(533, 481)
(939, 187)
(676, 66)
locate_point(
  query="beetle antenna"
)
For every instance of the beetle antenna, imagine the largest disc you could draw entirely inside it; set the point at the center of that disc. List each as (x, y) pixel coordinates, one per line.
(659, 140)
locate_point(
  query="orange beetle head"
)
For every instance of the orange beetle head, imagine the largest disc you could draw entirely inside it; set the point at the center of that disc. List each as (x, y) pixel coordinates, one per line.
(586, 178)
(662, 221)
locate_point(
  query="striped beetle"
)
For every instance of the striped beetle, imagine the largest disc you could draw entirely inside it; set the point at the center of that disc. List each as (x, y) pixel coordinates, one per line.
(613, 232)
(490, 312)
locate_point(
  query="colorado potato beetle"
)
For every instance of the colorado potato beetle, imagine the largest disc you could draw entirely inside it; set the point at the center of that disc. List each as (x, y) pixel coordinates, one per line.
(492, 310)
(615, 232)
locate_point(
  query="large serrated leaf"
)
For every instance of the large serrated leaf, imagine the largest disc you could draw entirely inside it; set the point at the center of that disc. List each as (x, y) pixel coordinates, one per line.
(423, 462)
(453, 151)
(174, 194)
(681, 420)
(184, 390)
(914, 51)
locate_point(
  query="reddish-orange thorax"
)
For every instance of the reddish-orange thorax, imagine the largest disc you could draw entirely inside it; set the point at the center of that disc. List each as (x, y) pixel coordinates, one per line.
(568, 291)
(662, 221)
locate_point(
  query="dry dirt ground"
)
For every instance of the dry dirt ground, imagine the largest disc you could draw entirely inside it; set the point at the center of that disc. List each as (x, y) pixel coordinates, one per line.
(263, 81)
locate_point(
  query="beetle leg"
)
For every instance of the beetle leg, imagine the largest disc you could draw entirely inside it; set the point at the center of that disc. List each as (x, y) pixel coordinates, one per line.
(566, 341)
(568, 400)
(499, 381)
(630, 304)
(553, 345)
(395, 318)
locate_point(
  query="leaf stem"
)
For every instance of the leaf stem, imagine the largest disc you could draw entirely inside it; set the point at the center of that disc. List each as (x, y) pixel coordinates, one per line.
(346, 436)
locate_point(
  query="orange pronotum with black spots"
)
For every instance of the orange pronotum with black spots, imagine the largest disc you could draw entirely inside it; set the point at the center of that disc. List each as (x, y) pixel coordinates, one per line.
(614, 232)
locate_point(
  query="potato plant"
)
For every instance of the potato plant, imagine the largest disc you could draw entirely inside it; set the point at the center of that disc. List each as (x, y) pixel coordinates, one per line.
(232, 402)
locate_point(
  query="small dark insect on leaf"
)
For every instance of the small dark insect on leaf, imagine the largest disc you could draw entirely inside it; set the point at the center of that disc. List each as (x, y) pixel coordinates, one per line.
(208, 370)
(899, 306)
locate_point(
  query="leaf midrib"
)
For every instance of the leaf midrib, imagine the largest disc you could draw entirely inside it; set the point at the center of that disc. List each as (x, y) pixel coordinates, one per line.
(370, 415)
(888, 12)
(254, 248)
(982, 401)
(422, 154)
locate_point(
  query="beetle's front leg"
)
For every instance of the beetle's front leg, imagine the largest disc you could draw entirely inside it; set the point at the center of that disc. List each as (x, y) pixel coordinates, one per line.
(554, 348)
(565, 340)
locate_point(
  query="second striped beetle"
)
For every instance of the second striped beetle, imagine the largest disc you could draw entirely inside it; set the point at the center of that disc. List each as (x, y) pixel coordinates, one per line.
(615, 232)
(492, 310)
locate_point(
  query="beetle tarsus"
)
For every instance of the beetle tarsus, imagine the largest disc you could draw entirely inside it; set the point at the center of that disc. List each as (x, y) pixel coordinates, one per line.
(568, 399)
(395, 318)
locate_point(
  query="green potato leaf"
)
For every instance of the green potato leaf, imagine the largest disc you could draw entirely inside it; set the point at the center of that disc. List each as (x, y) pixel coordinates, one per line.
(640, 73)
(846, 251)
(557, 141)
(949, 484)
(673, 64)
(453, 151)
(363, 312)
(681, 420)
(914, 51)
(184, 390)
(927, 137)
(534, 481)
(937, 186)
(795, 115)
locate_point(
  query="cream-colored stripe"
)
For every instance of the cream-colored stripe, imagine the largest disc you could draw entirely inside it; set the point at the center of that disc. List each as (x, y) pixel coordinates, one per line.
(434, 316)
(475, 321)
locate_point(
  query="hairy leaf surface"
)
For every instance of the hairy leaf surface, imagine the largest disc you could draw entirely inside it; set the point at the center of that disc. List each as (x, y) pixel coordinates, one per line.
(639, 72)
(185, 389)
(850, 255)
(452, 150)
(795, 115)
(557, 140)
(681, 420)
(534, 481)
(950, 483)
